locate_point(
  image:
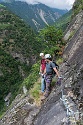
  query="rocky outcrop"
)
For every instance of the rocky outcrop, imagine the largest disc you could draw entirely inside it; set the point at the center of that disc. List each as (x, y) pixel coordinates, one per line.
(65, 103)
(22, 112)
(74, 26)
(70, 111)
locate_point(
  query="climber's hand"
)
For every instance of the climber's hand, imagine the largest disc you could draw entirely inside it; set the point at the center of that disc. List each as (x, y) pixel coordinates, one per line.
(59, 80)
(42, 75)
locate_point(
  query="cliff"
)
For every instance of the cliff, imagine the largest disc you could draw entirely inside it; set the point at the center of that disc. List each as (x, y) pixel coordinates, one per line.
(64, 105)
(55, 110)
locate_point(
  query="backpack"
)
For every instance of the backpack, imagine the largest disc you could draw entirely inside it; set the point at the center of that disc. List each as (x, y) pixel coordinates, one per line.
(57, 67)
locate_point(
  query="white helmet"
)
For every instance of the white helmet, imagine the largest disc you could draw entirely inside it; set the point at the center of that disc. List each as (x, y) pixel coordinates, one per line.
(41, 54)
(47, 56)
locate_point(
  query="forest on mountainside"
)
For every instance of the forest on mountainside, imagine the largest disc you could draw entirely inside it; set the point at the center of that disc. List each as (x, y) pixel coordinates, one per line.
(19, 50)
(36, 15)
(20, 47)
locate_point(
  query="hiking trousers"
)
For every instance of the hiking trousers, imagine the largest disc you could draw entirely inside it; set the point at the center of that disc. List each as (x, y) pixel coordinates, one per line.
(48, 80)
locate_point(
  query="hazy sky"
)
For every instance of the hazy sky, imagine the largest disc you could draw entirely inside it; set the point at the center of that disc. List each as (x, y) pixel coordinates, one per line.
(61, 4)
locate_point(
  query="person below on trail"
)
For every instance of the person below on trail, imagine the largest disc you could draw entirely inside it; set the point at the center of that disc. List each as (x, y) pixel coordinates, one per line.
(42, 68)
(48, 74)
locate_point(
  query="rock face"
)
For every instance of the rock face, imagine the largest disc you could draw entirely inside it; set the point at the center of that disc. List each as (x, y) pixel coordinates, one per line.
(74, 26)
(53, 111)
(65, 103)
(22, 112)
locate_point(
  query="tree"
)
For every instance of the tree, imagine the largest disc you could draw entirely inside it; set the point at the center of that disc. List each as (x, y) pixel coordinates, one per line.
(51, 38)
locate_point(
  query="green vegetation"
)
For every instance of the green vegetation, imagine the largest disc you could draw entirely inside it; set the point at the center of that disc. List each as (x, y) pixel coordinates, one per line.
(63, 22)
(35, 91)
(51, 38)
(71, 34)
(19, 50)
(18, 46)
(2, 5)
(18, 39)
(78, 6)
(17, 36)
(31, 15)
(32, 78)
(10, 79)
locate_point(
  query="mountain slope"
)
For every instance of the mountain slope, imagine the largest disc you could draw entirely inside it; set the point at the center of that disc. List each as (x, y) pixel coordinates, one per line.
(62, 12)
(37, 15)
(18, 51)
(57, 112)
(54, 111)
(63, 21)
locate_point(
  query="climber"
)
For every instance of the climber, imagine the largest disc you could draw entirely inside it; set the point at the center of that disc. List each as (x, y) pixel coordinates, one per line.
(42, 68)
(48, 75)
